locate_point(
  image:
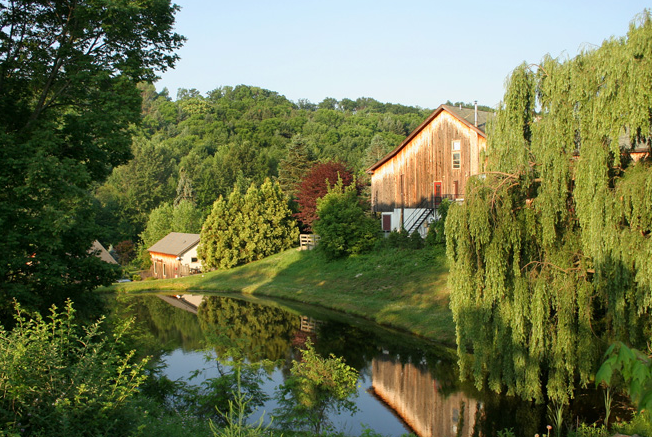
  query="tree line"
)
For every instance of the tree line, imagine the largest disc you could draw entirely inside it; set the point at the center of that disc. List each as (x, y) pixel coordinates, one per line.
(239, 136)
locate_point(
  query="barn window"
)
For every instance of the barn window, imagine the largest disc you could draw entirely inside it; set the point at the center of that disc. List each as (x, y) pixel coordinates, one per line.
(457, 160)
(164, 273)
(193, 260)
(155, 272)
(457, 154)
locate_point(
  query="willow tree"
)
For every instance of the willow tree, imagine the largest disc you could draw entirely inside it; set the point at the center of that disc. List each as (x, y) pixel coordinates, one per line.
(550, 252)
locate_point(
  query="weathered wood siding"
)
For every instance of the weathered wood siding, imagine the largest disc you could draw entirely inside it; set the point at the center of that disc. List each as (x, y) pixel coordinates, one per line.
(408, 178)
(164, 266)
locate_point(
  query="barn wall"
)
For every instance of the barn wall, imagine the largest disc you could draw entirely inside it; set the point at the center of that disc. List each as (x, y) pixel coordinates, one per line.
(407, 179)
(187, 259)
(164, 266)
(175, 268)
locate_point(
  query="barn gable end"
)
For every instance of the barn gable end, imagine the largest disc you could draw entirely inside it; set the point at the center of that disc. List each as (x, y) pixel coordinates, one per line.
(434, 161)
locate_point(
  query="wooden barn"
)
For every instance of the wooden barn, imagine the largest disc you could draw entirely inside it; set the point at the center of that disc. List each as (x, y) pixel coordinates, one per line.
(434, 162)
(175, 255)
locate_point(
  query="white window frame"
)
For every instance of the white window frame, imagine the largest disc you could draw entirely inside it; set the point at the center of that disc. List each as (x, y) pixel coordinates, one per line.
(456, 150)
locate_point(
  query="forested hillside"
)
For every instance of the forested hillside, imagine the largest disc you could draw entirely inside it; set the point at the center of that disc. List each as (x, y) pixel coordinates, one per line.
(202, 146)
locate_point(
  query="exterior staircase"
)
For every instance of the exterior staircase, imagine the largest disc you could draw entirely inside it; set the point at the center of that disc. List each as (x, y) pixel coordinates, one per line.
(426, 208)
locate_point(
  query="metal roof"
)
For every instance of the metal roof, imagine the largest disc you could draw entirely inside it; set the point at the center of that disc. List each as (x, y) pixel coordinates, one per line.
(466, 116)
(175, 243)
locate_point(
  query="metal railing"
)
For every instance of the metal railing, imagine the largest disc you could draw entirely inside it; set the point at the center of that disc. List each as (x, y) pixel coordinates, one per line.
(422, 211)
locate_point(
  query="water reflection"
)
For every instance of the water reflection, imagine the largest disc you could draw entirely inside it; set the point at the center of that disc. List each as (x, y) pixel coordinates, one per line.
(407, 384)
(415, 395)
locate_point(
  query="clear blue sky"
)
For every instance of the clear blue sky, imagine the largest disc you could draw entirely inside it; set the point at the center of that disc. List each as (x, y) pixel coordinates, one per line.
(418, 53)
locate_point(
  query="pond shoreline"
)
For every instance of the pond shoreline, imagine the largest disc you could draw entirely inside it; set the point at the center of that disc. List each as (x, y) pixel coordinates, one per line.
(405, 290)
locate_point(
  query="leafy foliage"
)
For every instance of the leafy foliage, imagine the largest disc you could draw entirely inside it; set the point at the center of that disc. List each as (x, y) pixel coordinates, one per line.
(315, 185)
(247, 228)
(68, 95)
(125, 251)
(241, 135)
(437, 230)
(214, 397)
(550, 253)
(635, 369)
(62, 379)
(235, 418)
(344, 224)
(316, 387)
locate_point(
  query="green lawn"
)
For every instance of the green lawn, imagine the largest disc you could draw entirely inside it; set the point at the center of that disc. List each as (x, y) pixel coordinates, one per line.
(401, 288)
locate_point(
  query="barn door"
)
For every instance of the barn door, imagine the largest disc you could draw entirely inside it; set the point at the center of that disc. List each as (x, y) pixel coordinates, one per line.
(387, 222)
(437, 193)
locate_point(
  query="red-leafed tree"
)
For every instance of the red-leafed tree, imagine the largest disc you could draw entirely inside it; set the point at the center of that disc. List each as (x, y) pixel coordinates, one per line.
(315, 185)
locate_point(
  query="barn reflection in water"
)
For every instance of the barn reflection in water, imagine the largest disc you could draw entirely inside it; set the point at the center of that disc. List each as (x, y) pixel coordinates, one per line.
(412, 392)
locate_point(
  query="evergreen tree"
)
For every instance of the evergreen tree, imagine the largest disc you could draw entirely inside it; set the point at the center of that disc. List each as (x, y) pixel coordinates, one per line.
(213, 240)
(279, 228)
(247, 228)
(550, 254)
(184, 189)
(295, 165)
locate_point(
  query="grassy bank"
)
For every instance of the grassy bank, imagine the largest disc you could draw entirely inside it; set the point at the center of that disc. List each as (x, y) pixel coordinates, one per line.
(401, 288)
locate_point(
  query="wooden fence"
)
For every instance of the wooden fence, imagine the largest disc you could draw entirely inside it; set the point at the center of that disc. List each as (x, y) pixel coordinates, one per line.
(308, 241)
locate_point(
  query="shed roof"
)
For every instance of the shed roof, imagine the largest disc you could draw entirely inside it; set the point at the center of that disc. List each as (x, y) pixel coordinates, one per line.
(465, 115)
(175, 243)
(98, 250)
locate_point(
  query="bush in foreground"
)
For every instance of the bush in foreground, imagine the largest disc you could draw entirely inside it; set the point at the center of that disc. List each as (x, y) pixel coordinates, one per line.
(61, 379)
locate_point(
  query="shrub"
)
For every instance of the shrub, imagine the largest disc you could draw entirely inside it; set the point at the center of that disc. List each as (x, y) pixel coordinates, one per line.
(415, 241)
(344, 226)
(397, 239)
(63, 379)
(436, 232)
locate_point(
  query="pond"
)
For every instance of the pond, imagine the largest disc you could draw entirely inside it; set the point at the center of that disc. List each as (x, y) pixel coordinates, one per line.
(406, 384)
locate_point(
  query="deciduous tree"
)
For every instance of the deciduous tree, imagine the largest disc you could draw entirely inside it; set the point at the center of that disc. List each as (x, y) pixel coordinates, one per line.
(315, 185)
(343, 222)
(550, 254)
(68, 94)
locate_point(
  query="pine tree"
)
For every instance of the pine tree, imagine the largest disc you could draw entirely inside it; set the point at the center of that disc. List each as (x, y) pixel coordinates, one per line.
(279, 228)
(184, 189)
(212, 240)
(295, 165)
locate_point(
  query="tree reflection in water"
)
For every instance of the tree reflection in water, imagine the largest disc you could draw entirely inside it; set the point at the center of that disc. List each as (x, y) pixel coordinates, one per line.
(418, 380)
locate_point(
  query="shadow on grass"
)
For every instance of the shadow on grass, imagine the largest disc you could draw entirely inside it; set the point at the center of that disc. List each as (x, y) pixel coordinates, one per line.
(402, 288)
